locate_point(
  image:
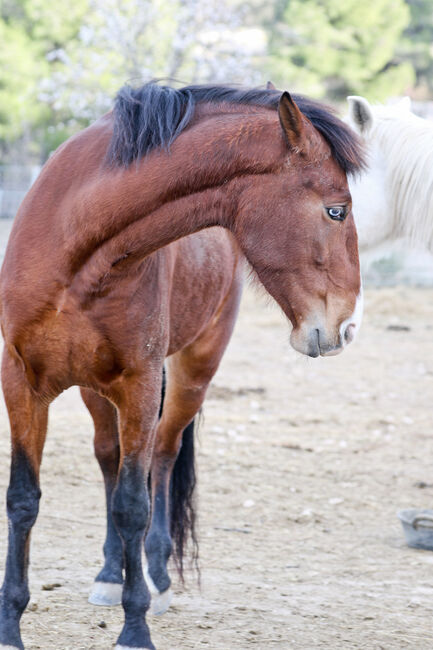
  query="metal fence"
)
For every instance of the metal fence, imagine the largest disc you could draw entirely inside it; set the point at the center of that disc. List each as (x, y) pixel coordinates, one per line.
(15, 181)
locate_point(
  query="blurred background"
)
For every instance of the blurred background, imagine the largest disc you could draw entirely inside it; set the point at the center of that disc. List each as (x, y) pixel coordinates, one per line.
(61, 64)
(302, 463)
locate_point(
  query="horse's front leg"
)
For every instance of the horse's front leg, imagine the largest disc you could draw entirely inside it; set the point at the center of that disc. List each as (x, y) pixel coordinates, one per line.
(107, 588)
(28, 420)
(137, 400)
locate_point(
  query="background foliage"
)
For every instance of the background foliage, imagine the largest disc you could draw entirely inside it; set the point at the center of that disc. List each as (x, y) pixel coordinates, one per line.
(61, 64)
(335, 48)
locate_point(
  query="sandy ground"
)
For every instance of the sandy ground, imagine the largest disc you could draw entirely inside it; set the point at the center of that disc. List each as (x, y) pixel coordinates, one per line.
(302, 467)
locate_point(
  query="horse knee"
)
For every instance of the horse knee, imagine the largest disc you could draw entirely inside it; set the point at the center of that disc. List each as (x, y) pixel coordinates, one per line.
(130, 504)
(23, 494)
(23, 508)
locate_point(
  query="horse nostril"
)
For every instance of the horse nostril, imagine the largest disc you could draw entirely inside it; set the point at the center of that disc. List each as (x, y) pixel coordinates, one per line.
(349, 333)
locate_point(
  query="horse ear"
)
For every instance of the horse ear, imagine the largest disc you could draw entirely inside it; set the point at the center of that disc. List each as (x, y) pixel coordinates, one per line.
(270, 86)
(360, 113)
(404, 104)
(291, 120)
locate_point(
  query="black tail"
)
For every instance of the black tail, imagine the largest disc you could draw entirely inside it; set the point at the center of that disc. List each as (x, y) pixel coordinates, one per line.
(182, 498)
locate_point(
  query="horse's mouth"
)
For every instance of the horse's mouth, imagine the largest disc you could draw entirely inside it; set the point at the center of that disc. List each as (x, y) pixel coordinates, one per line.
(321, 348)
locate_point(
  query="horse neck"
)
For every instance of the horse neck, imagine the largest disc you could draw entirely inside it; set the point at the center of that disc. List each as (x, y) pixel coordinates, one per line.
(406, 144)
(131, 213)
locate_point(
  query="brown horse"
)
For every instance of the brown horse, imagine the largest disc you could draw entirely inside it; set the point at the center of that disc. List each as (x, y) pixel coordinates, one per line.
(91, 295)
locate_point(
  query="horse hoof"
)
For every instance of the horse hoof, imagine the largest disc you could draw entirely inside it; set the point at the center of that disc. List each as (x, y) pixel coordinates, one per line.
(161, 602)
(128, 647)
(106, 594)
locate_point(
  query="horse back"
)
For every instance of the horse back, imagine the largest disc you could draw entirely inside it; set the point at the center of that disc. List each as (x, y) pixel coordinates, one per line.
(54, 316)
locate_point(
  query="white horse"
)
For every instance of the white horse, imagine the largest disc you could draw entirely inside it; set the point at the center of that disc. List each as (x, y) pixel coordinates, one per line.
(394, 197)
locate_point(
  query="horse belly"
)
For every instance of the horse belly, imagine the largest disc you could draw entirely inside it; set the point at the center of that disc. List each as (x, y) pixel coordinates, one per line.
(205, 267)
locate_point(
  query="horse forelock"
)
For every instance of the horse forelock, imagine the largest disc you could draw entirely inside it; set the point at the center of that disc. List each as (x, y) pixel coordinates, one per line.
(154, 115)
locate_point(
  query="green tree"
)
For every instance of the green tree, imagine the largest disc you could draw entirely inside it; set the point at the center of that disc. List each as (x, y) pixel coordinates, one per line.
(69, 58)
(417, 46)
(20, 65)
(137, 40)
(334, 48)
(30, 31)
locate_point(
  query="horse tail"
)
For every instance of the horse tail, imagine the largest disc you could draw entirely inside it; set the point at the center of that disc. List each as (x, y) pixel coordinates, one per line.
(182, 499)
(182, 496)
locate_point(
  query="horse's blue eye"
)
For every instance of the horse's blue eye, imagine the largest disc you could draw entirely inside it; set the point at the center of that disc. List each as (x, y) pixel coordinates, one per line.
(338, 213)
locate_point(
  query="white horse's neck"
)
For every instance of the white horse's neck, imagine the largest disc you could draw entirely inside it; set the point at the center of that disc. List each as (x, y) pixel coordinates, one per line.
(401, 158)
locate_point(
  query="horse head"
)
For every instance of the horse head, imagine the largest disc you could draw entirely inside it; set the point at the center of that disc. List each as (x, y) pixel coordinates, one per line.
(298, 233)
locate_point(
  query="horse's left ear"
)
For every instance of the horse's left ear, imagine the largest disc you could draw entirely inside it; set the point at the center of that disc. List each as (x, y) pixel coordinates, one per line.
(404, 104)
(291, 120)
(360, 114)
(270, 86)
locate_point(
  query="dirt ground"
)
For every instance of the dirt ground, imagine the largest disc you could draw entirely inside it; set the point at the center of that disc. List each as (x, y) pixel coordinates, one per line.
(302, 464)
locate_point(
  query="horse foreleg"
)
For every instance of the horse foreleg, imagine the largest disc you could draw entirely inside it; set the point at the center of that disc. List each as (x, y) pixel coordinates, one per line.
(107, 588)
(28, 417)
(137, 402)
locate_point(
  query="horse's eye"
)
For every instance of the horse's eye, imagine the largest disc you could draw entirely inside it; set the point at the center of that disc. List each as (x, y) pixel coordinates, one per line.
(338, 212)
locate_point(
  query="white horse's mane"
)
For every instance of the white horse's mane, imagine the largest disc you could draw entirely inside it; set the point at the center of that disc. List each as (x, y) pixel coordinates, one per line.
(406, 142)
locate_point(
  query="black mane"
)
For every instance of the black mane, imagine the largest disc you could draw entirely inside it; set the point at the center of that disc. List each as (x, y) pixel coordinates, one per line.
(154, 115)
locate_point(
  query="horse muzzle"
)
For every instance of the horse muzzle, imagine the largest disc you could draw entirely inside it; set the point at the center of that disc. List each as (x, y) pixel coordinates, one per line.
(315, 339)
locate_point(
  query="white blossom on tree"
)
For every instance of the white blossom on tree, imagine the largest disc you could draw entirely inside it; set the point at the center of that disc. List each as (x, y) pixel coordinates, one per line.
(134, 41)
